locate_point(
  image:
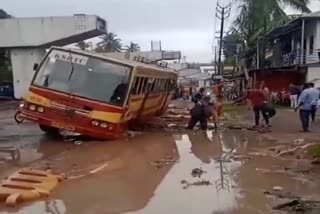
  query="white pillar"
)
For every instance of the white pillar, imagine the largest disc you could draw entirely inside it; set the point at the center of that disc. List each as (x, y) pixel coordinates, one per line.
(302, 41)
(22, 60)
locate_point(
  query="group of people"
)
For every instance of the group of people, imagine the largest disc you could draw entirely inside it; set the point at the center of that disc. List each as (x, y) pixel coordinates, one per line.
(305, 100)
(205, 108)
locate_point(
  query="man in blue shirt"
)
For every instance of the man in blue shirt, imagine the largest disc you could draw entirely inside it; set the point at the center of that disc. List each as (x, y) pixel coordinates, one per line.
(305, 106)
(315, 97)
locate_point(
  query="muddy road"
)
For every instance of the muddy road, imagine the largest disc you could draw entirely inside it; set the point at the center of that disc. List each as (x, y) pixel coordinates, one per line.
(156, 172)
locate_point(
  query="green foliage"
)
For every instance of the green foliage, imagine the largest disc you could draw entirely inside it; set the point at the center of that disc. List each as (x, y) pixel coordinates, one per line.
(257, 17)
(133, 47)
(5, 68)
(314, 151)
(83, 45)
(4, 14)
(231, 44)
(109, 43)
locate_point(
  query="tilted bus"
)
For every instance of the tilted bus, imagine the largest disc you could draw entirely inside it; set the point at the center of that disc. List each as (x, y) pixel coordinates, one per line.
(95, 95)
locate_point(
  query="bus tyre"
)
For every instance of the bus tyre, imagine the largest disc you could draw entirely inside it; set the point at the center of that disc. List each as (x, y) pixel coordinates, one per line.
(49, 130)
(18, 118)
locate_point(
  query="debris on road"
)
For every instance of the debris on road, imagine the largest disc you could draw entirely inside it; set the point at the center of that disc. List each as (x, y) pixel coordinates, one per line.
(293, 150)
(28, 184)
(281, 194)
(316, 161)
(163, 162)
(96, 170)
(291, 203)
(235, 157)
(277, 188)
(196, 183)
(298, 205)
(197, 172)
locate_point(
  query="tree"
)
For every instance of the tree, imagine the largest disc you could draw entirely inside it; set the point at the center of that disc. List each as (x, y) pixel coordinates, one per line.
(109, 43)
(231, 43)
(5, 72)
(133, 47)
(257, 17)
(83, 45)
(4, 14)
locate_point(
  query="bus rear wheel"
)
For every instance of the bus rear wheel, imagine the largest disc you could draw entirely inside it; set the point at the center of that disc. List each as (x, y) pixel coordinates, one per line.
(49, 130)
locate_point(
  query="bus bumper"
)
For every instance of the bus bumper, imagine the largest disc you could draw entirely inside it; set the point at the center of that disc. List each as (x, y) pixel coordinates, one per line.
(93, 132)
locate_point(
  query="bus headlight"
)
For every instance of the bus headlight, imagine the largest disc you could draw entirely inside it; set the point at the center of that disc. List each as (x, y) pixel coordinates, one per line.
(40, 109)
(104, 125)
(32, 107)
(21, 105)
(95, 123)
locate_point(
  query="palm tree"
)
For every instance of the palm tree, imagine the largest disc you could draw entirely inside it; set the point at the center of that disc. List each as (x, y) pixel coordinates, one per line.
(257, 14)
(133, 47)
(257, 17)
(109, 43)
(83, 45)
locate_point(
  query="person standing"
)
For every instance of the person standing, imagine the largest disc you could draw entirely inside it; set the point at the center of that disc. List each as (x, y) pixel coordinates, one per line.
(305, 105)
(198, 96)
(314, 93)
(258, 100)
(294, 94)
(201, 112)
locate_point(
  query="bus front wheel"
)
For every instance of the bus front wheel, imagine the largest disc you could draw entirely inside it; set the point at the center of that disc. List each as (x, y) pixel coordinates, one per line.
(49, 130)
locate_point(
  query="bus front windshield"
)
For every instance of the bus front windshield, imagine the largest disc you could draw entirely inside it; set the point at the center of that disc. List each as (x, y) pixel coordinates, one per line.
(84, 76)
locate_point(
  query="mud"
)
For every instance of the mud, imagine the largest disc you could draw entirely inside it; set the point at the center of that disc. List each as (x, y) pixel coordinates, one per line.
(146, 172)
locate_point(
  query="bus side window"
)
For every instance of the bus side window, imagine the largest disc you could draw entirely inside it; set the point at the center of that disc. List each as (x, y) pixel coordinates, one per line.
(140, 85)
(153, 89)
(151, 82)
(167, 85)
(157, 87)
(135, 85)
(144, 84)
(162, 85)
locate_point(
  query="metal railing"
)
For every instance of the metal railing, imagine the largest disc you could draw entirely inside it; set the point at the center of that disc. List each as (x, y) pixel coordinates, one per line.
(308, 57)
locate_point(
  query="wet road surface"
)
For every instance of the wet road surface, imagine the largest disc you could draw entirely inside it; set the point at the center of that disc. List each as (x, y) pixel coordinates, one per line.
(149, 173)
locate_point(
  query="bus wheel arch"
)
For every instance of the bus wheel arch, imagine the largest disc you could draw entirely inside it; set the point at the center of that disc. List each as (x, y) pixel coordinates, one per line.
(49, 130)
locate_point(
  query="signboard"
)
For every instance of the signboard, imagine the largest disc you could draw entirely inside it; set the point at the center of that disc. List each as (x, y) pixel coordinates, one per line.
(171, 55)
(68, 56)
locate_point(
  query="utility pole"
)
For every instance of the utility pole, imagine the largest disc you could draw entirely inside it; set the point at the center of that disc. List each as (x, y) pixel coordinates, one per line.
(215, 58)
(222, 13)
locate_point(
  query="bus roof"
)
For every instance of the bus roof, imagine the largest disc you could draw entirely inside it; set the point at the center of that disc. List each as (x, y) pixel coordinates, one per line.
(121, 61)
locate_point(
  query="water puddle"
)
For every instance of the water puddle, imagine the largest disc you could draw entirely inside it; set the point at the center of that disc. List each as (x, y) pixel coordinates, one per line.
(200, 172)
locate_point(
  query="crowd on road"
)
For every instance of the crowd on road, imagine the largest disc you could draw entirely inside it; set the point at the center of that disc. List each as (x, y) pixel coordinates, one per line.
(304, 100)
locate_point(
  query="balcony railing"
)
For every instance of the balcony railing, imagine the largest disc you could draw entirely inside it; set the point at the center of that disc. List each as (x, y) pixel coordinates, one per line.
(308, 57)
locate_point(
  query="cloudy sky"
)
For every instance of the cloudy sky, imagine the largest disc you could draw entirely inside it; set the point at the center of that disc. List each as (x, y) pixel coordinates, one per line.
(185, 25)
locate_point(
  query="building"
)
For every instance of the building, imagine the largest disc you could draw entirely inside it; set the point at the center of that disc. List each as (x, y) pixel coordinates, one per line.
(293, 54)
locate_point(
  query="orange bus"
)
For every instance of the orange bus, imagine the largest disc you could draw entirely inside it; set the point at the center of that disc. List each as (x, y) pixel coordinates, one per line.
(95, 95)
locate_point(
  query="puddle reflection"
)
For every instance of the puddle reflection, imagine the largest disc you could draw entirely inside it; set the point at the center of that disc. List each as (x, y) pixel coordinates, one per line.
(205, 150)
